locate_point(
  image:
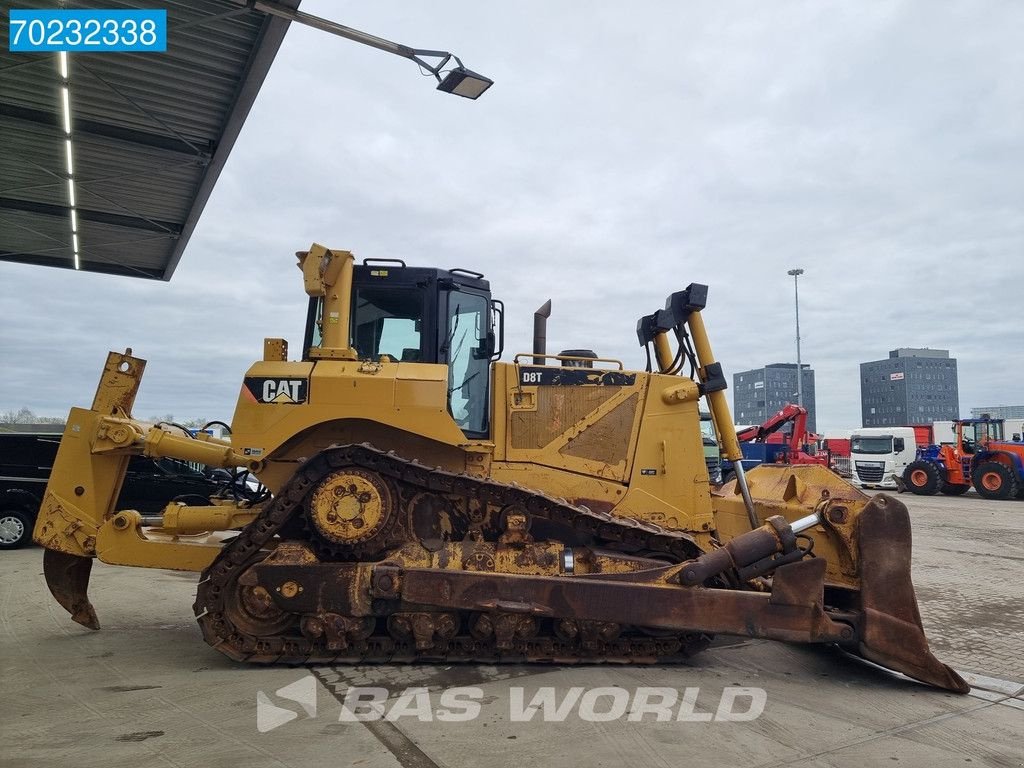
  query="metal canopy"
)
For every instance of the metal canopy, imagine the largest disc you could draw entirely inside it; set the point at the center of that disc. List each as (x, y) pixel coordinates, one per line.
(150, 134)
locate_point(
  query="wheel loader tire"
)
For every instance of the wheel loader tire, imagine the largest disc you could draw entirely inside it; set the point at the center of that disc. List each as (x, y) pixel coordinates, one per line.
(955, 489)
(994, 480)
(923, 478)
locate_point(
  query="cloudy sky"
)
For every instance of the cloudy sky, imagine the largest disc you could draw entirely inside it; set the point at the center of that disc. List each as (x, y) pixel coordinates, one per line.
(625, 150)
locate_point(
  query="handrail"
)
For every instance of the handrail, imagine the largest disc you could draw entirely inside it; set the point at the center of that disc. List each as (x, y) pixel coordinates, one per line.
(570, 357)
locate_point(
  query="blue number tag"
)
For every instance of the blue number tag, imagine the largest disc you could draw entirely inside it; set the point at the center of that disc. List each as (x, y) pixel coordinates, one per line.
(77, 31)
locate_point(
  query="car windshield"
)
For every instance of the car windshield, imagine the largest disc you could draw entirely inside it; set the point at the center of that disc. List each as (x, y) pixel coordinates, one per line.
(871, 444)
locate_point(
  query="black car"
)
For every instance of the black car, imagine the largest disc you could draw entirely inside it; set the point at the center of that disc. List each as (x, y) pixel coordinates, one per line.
(25, 463)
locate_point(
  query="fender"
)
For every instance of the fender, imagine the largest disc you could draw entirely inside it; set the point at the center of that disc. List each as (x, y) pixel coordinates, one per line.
(1003, 457)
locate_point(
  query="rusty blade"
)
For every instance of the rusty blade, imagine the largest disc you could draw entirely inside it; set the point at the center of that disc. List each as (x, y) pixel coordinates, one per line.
(891, 631)
(67, 576)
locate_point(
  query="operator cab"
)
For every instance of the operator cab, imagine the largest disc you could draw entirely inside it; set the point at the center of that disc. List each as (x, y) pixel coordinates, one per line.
(976, 434)
(424, 315)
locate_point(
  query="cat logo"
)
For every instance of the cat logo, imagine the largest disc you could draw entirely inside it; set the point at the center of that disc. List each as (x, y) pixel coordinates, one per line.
(277, 391)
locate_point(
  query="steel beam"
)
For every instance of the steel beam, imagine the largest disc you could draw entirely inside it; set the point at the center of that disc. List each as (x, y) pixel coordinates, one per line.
(85, 214)
(86, 127)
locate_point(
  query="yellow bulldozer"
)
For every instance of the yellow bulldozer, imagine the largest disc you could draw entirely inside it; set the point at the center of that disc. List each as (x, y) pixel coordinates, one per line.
(428, 502)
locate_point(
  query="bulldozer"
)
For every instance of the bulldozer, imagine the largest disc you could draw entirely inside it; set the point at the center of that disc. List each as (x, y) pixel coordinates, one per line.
(428, 502)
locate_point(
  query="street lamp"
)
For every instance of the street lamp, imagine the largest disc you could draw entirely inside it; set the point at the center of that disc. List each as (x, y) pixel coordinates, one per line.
(799, 368)
(458, 80)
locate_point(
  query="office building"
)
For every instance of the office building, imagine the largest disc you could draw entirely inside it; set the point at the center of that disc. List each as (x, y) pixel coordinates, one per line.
(761, 392)
(999, 412)
(910, 387)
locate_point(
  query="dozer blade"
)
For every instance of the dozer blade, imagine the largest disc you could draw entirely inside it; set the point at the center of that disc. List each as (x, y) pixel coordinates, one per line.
(67, 576)
(882, 625)
(880, 622)
(891, 632)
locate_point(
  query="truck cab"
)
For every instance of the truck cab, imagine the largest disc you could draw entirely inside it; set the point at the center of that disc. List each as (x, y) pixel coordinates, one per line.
(879, 455)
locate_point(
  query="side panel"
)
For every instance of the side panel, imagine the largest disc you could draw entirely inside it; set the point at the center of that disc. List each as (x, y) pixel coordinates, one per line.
(670, 463)
(580, 419)
(309, 401)
(629, 443)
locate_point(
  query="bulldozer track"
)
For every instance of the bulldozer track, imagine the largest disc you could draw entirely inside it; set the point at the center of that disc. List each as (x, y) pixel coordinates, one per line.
(219, 581)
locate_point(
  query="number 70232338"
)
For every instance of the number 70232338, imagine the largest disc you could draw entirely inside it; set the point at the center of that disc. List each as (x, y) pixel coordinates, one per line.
(95, 31)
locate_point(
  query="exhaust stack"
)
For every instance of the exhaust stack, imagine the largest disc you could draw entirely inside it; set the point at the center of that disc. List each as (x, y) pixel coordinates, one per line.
(540, 332)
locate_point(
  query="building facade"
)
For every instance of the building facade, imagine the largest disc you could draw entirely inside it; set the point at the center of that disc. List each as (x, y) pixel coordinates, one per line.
(1000, 412)
(910, 387)
(761, 392)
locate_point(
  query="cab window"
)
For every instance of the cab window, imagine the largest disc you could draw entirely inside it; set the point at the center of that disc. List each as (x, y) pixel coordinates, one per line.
(388, 321)
(469, 356)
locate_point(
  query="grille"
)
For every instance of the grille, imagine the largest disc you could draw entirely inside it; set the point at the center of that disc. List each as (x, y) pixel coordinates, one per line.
(870, 473)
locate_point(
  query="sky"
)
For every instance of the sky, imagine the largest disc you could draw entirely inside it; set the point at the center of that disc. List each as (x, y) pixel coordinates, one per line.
(625, 151)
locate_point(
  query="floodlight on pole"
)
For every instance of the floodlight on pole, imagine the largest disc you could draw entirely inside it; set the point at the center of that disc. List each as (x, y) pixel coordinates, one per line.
(457, 80)
(799, 367)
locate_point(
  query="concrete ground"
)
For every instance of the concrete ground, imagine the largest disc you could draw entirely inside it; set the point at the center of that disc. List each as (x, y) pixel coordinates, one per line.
(146, 691)
(969, 576)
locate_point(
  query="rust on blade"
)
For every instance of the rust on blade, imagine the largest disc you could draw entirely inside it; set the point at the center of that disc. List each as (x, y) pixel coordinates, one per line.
(67, 576)
(891, 631)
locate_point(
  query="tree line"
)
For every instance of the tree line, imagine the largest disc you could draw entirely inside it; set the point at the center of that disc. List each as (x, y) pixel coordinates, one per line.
(27, 416)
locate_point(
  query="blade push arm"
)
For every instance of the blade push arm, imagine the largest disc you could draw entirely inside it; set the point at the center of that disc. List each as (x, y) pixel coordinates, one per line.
(682, 312)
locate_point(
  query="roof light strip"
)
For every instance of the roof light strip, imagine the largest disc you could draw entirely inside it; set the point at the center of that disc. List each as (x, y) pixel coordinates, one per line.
(65, 97)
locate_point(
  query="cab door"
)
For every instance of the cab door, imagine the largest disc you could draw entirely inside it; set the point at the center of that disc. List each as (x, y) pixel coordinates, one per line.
(467, 346)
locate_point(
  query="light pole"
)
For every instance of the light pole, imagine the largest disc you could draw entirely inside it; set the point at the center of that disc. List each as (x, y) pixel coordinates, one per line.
(799, 368)
(457, 80)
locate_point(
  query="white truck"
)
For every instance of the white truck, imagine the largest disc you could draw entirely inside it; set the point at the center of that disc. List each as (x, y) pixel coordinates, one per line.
(1013, 429)
(878, 455)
